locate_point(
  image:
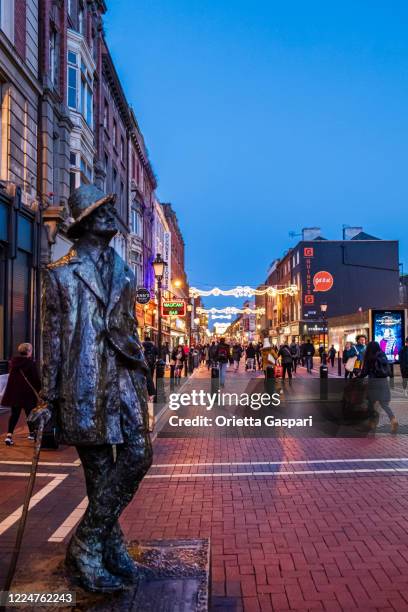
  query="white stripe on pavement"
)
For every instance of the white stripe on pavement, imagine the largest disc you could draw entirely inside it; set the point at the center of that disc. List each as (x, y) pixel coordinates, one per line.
(275, 473)
(289, 462)
(15, 516)
(63, 530)
(51, 463)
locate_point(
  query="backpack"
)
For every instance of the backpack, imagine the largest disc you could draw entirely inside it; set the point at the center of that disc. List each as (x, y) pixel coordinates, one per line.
(222, 353)
(381, 368)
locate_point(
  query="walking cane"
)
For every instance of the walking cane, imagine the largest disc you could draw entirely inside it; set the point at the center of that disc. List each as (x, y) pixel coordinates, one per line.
(20, 531)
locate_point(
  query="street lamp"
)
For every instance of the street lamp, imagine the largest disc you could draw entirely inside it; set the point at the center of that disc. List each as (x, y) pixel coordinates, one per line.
(159, 266)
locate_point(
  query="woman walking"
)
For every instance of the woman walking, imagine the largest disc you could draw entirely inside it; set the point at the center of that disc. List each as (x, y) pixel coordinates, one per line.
(19, 393)
(349, 358)
(377, 369)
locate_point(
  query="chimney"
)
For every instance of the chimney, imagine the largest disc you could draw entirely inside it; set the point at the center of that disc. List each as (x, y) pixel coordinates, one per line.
(310, 233)
(350, 232)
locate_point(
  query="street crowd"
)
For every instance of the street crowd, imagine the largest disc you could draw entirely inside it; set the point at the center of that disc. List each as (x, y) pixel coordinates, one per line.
(360, 360)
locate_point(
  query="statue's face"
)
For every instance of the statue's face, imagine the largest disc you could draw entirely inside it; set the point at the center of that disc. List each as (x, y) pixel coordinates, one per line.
(103, 221)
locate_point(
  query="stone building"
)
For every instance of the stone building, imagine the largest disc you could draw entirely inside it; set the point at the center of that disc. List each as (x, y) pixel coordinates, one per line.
(20, 90)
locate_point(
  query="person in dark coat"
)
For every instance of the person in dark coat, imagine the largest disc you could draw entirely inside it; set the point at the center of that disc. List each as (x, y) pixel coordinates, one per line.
(377, 369)
(332, 355)
(287, 360)
(95, 379)
(308, 351)
(18, 393)
(403, 363)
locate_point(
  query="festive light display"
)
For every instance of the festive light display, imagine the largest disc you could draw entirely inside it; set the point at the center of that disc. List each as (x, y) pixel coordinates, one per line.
(231, 310)
(245, 291)
(215, 316)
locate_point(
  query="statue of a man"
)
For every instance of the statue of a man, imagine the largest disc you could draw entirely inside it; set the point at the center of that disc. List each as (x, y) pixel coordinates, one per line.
(95, 378)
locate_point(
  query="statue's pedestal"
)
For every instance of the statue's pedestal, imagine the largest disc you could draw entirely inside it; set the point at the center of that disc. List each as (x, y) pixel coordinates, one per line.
(180, 580)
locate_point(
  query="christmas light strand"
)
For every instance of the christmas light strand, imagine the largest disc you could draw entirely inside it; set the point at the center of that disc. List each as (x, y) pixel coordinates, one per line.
(214, 316)
(240, 291)
(231, 310)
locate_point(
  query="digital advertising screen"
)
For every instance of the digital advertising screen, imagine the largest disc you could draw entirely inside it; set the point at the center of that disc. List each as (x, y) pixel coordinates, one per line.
(388, 329)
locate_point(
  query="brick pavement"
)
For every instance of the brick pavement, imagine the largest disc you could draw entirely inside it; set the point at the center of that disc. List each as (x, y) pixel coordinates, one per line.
(319, 541)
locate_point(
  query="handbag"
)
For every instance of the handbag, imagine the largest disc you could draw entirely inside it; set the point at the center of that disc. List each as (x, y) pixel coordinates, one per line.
(50, 434)
(350, 363)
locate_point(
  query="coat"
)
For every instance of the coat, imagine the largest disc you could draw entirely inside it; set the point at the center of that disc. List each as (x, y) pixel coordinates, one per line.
(94, 371)
(378, 387)
(18, 392)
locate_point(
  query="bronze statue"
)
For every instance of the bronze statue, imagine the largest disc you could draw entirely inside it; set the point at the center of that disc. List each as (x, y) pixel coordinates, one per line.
(95, 378)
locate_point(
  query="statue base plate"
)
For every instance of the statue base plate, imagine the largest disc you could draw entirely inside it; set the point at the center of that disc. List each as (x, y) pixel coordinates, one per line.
(179, 581)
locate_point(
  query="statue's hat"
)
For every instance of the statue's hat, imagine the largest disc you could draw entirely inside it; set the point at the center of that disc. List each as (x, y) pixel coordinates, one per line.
(82, 202)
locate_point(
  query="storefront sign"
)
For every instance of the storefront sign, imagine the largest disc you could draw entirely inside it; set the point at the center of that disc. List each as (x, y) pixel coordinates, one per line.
(174, 308)
(323, 281)
(308, 253)
(314, 328)
(167, 258)
(142, 295)
(388, 329)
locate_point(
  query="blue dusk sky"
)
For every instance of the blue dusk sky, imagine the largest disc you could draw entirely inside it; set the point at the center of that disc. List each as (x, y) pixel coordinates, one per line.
(262, 117)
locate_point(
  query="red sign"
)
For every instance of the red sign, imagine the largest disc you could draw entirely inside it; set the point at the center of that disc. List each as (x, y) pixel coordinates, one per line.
(323, 281)
(309, 299)
(308, 252)
(174, 308)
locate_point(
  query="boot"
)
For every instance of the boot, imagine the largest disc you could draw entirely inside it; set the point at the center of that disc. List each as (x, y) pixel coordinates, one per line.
(394, 425)
(85, 564)
(118, 560)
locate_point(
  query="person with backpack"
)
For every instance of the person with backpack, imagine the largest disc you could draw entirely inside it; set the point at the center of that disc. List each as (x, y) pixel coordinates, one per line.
(22, 384)
(250, 357)
(376, 368)
(223, 352)
(151, 354)
(332, 355)
(287, 361)
(295, 352)
(308, 353)
(212, 354)
(403, 363)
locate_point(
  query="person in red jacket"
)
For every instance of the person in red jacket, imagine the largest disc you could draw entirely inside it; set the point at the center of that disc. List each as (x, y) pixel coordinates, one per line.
(19, 392)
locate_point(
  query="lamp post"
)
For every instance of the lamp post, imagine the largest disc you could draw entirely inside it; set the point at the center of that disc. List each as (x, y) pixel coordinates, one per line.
(323, 308)
(158, 266)
(323, 367)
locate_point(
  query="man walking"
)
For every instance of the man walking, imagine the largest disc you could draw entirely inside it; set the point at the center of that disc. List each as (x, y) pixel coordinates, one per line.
(308, 351)
(94, 378)
(223, 352)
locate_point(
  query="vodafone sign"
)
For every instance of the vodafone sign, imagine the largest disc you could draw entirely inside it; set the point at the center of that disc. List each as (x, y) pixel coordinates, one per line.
(323, 281)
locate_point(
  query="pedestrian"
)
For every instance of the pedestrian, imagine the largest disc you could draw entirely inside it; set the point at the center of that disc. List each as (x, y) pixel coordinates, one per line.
(258, 355)
(361, 342)
(332, 355)
(321, 352)
(286, 359)
(250, 356)
(178, 358)
(212, 352)
(308, 351)
(223, 352)
(349, 359)
(19, 392)
(236, 355)
(376, 367)
(295, 352)
(151, 354)
(403, 363)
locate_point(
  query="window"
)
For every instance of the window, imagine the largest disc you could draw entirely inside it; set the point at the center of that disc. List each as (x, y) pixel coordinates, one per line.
(136, 262)
(69, 7)
(115, 133)
(122, 149)
(53, 57)
(105, 115)
(72, 158)
(7, 18)
(136, 223)
(114, 180)
(122, 198)
(72, 80)
(86, 172)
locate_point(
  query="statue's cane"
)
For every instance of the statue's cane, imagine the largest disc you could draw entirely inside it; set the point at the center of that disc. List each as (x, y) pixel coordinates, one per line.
(21, 526)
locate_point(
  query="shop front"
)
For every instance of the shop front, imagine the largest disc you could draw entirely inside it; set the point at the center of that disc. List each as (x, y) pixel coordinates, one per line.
(316, 331)
(19, 258)
(347, 327)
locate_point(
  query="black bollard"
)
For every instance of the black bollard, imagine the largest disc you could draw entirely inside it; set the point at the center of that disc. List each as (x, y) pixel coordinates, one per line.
(215, 379)
(190, 362)
(270, 379)
(160, 369)
(339, 364)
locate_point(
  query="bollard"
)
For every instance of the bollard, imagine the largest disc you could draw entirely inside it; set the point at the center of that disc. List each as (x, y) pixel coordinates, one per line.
(215, 379)
(339, 364)
(324, 381)
(190, 363)
(160, 369)
(270, 380)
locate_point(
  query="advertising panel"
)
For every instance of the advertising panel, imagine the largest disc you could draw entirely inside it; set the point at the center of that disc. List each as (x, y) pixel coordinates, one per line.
(388, 329)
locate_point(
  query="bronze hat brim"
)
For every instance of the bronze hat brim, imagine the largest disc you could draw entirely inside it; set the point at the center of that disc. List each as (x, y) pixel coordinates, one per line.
(71, 231)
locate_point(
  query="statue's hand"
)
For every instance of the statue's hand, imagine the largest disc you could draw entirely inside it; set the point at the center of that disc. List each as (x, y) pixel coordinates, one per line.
(40, 415)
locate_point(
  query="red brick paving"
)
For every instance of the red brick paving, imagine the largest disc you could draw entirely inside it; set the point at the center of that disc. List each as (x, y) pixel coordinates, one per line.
(310, 542)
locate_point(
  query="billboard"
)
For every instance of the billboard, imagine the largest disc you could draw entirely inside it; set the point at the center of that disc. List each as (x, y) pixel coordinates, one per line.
(388, 329)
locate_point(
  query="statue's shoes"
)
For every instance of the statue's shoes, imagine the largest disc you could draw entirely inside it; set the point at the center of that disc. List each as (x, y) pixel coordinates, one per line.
(119, 562)
(85, 567)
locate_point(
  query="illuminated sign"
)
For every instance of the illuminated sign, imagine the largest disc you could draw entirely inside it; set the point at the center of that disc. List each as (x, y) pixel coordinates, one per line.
(323, 281)
(388, 329)
(174, 308)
